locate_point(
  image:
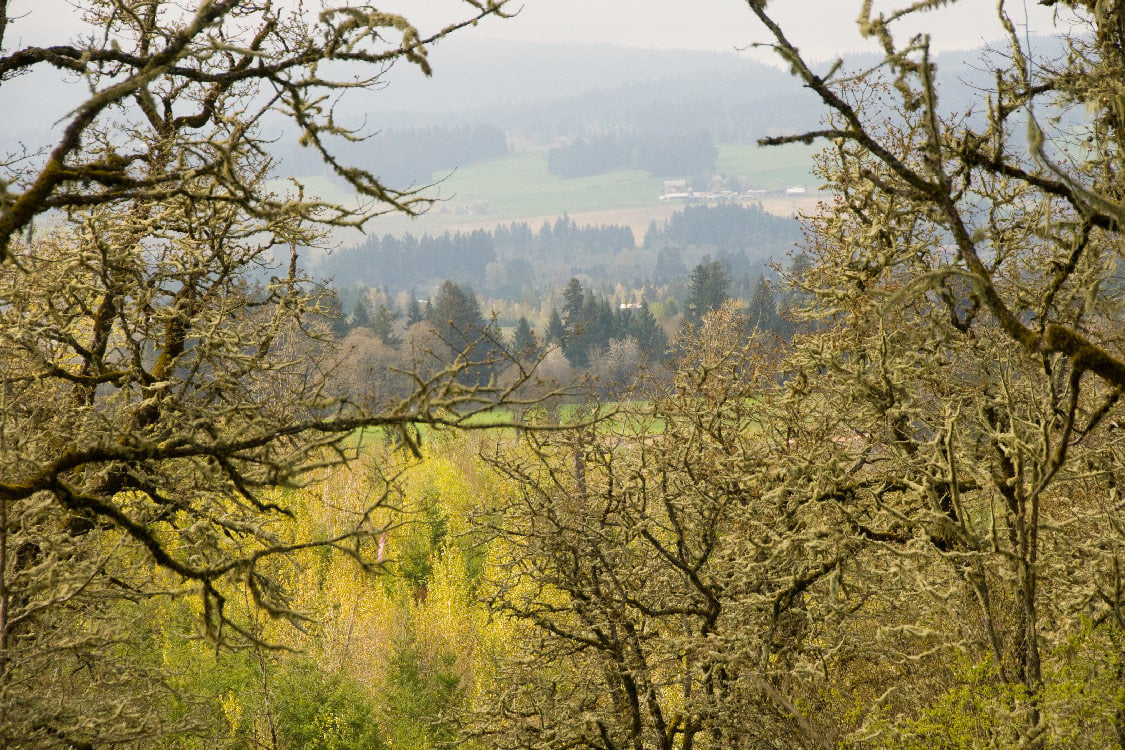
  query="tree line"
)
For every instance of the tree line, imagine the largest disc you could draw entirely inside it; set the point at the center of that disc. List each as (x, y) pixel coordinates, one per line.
(514, 258)
(584, 334)
(677, 153)
(724, 227)
(415, 156)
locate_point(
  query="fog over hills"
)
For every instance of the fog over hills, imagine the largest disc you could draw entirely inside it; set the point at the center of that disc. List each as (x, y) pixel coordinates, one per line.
(520, 85)
(507, 81)
(491, 97)
(543, 92)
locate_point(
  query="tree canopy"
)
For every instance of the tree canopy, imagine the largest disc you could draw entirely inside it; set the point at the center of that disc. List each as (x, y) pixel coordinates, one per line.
(903, 528)
(166, 370)
(900, 528)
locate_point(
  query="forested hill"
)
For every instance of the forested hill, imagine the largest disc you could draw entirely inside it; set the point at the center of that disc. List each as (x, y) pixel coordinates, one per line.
(545, 92)
(667, 153)
(516, 257)
(410, 156)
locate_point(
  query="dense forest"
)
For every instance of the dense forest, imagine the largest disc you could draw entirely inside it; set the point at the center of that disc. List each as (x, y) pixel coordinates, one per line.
(666, 154)
(578, 337)
(408, 156)
(636, 492)
(514, 259)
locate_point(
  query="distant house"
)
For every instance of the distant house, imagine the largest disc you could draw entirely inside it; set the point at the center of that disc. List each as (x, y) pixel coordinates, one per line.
(796, 190)
(675, 186)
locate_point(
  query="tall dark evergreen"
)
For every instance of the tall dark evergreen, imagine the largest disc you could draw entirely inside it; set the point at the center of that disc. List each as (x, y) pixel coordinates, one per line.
(600, 322)
(763, 307)
(648, 334)
(333, 312)
(573, 303)
(414, 311)
(455, 313)
(556, 329)
(524, 343)
(383, 324)
(360, 317)
(709, 288)
(793, 299)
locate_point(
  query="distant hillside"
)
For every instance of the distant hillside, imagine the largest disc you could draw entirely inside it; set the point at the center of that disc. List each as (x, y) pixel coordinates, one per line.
(491, 77)
(540, 93)
(544, 92)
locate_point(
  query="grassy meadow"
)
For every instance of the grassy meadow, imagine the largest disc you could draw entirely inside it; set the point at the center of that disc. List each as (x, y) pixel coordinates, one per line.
(769, 168)
(518, 186)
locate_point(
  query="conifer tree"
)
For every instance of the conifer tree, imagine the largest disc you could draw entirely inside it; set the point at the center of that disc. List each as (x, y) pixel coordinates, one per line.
(556, 330)
(361, 318)
(524, 342)
(709, 287)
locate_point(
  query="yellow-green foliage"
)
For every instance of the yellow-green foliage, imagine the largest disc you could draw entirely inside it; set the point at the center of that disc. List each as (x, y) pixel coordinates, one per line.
(389, 653)
(1081, 693)
(413, 623)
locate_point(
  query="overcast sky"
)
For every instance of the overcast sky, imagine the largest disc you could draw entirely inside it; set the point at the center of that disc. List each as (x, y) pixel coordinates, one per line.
(821, 28)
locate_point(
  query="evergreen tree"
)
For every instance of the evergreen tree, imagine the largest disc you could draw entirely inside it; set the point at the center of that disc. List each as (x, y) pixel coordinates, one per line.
(333, 312)
(456, 316)
(793, 298)
(524, 343)
(601, 322)
(647, 332)
(669, 265)
(651, 234)
(573, 298)
(456, 313)
(360, 316)
(709, 288)
(556, 329)
(763, 307)
(414, 311)
(384, 325)
(583, 324)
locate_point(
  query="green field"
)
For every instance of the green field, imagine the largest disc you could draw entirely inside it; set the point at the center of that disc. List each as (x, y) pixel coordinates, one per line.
(518, 186)
(769, 167)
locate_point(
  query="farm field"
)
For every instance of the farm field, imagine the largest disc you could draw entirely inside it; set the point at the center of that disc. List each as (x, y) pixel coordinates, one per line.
(769, 168)
(518, 187)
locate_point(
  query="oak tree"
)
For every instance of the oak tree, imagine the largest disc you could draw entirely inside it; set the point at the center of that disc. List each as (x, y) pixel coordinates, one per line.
(166, 371)
(964, 371)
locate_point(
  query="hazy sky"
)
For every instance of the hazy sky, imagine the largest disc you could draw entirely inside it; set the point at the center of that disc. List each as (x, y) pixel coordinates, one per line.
(821, 28)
